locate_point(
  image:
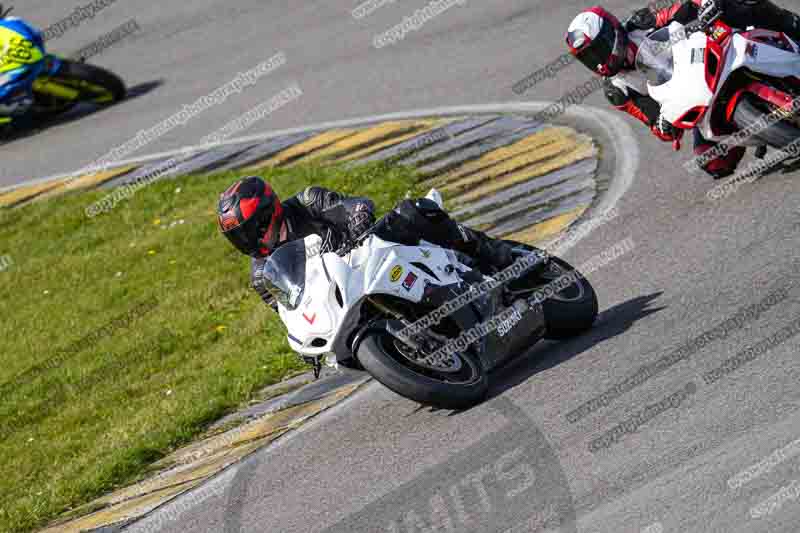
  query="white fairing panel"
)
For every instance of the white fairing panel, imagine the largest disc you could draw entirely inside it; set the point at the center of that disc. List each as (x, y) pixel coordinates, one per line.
(688, 88)
(335, 286)
(760, 57)
(757, 57)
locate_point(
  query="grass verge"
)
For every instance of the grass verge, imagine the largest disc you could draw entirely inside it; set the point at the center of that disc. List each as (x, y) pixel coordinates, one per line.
(124, 336)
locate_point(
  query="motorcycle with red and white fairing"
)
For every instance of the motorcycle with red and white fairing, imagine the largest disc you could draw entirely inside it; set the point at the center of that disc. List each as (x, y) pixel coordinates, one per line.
(723, 81)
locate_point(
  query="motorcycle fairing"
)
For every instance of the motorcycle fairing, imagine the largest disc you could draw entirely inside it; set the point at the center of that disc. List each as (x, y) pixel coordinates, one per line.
(21, 56)
(687, 88)
(691, 90)
(337, 286)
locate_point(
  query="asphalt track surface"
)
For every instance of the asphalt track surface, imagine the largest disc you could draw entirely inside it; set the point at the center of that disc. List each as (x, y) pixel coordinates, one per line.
(377, 462)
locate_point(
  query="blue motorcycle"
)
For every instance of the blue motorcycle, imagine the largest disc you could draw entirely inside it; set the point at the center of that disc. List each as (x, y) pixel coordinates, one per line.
(35, 83)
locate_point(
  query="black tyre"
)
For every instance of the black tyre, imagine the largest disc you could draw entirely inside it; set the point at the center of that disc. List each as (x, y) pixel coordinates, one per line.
(381, 355)
(752, 109)
(96, 84)
(572, 310)
(569, 311)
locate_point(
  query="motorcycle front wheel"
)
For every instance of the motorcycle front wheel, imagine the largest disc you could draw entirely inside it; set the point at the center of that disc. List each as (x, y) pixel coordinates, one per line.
(391, 363)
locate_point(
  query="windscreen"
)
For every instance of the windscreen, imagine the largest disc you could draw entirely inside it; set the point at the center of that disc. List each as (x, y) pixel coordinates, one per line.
(285, 273)
(654, 59)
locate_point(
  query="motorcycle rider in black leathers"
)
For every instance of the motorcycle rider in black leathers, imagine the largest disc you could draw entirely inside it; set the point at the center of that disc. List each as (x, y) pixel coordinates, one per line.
(608, 47)
(256, 222)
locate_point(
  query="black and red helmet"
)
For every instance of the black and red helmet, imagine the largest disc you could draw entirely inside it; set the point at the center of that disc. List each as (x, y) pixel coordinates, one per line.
(250, 216)
(598, 40)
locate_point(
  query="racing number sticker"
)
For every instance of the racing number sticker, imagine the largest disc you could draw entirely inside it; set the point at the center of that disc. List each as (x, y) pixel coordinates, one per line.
(18, 50)
(397, 271)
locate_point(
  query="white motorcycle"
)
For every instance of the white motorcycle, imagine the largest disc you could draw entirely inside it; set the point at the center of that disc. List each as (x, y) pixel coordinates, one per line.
(722, 80)
(356, 308)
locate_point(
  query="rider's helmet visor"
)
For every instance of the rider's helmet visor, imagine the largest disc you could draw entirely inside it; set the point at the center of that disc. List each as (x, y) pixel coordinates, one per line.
(596, 54)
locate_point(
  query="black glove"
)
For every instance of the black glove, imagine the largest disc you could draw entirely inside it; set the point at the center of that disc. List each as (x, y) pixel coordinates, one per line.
(360, 221)
(708, 11)
(641, 19)
(663, 129)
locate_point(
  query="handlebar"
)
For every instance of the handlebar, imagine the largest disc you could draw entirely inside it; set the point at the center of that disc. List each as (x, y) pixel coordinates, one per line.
(348, 245)
(380, 223)
(702, 24)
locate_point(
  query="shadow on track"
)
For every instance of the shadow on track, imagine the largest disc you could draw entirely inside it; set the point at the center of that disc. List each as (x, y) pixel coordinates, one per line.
(547, 354)
(30, 126)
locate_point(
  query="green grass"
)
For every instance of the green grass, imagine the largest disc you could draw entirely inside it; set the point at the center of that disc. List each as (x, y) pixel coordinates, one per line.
(122, 337)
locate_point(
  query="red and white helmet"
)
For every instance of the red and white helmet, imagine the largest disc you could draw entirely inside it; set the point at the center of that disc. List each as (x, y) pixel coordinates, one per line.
(598, 40)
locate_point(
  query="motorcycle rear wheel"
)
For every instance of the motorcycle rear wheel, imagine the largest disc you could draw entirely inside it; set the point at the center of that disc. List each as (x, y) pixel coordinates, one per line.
(573, 309)
(379, 353)
(749, 111)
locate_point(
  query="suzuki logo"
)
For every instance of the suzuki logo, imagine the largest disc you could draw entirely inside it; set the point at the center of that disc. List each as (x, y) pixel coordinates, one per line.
(310, 320)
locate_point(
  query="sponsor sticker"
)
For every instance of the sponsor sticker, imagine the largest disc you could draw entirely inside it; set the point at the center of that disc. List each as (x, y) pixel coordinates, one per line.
(410, 280)
(396, 272)
(751, 50)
